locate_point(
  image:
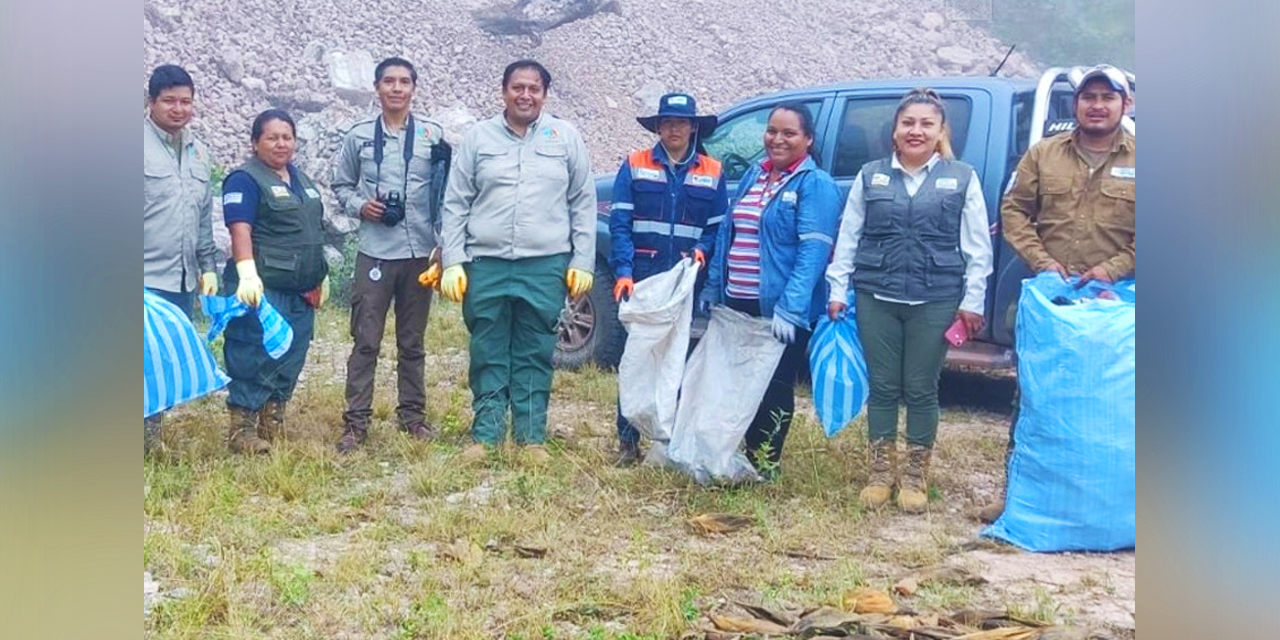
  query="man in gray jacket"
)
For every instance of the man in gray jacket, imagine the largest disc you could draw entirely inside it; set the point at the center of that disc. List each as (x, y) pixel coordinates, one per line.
(519, 232)
(389, 174)
(178, 254)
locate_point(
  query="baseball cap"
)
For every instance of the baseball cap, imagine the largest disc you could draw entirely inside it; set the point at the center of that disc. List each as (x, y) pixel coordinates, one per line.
(1114, 77)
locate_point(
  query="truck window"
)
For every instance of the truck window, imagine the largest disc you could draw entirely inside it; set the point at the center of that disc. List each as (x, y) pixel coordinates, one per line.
(866, 131)
(739, 141)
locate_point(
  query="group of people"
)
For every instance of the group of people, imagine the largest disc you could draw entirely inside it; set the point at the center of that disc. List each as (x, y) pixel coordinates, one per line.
(505, 225)
(912, 241)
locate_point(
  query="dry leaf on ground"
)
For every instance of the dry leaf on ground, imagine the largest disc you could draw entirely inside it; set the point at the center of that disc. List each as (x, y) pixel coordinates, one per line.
(719, 523)
(746, 625)
(466, 552)
(781, 617)
(529, 552)
(868, 600)
(912, 582)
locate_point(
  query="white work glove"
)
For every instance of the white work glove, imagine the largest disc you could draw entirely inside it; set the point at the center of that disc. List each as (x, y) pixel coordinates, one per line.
(784, 331)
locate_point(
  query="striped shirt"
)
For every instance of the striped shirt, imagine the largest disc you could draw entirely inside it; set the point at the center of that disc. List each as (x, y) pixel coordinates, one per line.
(744, 252)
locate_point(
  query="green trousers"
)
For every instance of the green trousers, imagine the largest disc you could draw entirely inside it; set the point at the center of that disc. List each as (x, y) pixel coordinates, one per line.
(511, 308)
(904, 348)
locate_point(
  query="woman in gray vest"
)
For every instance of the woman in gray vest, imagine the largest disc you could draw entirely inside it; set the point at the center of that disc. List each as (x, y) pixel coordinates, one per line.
(915, 245)
(274, 214)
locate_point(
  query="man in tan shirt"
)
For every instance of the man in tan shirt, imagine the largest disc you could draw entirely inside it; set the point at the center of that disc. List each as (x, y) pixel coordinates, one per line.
(1070, 208)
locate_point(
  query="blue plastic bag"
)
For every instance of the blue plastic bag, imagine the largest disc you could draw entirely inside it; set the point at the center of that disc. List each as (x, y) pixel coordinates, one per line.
(838, 371)
(277, 335)
(1072, 474)
(176, 365)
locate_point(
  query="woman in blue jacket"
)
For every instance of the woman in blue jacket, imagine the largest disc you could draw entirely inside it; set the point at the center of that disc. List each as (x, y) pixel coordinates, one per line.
(769, 259)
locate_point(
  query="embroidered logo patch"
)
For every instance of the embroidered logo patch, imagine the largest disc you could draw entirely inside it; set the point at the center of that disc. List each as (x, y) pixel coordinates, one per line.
(680, 100)
(279, 191)
(649, 174)
(946, 183)
(1122, 172)
(789, 197)
(312, 192)
(701, 181)
(880, 180)
(232, 198)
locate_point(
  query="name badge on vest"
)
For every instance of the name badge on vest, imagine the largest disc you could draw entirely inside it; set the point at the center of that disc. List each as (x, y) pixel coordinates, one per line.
(279, 191)
(649, 174)
(1122, 172)
(789, 197)
(701, 181)
(946, 183)
(312, 193)
(880, 180)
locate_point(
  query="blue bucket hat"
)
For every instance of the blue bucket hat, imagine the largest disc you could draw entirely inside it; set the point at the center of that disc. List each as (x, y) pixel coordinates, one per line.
(680, 105)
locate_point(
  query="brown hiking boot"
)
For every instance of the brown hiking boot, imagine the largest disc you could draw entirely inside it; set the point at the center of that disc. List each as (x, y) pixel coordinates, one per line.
(536, 455)
(628, 454)
(352, 437)
(882, 454)
(420, 430)
(271, 421)
(243, 437)
(913, 494)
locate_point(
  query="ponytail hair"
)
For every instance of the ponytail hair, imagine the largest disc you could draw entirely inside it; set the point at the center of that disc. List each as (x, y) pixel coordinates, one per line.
(925, 95)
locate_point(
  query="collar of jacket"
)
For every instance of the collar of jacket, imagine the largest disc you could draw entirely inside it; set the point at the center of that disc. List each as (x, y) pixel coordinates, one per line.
(1123, 140)
(660, 155)
(175, 141)
(803, 166)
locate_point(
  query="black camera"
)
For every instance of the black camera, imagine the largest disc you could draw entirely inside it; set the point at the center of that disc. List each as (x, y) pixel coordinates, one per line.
(394, 211)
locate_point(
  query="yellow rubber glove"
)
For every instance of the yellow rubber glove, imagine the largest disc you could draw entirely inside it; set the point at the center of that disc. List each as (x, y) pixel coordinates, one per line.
(453, 283)
(579, 282)
(208, 284)
(249, 290)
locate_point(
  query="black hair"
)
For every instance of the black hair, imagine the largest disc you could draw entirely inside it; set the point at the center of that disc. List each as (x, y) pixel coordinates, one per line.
(527, 64)
(167, 76)
(267, 116)
(801, 111)
(394, 62)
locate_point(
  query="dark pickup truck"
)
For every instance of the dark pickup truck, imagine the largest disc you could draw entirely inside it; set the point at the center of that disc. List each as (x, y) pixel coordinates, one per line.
(993, 122)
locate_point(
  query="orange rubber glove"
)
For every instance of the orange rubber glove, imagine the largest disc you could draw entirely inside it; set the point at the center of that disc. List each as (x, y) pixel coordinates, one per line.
(700, 258)
(623, 288)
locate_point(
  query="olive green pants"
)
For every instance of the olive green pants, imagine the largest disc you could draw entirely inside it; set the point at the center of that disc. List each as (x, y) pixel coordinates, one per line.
(511, 308)
(904, 348)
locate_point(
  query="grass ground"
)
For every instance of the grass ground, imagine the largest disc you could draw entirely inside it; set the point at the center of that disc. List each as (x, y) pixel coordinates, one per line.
(402, 540)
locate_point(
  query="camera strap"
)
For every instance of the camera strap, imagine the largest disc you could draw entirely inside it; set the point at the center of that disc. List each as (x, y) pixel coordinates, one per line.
(380, 139)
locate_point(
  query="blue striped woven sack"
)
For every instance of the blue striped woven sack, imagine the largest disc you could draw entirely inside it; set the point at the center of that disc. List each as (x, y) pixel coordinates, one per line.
(176, 364)
(1072, 476)
(277, 335)
(838, 371)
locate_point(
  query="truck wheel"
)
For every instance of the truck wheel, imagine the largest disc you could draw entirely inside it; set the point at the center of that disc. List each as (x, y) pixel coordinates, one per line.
(589, 330)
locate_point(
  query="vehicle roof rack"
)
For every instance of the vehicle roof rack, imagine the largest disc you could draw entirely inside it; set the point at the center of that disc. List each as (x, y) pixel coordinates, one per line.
(1042, 124)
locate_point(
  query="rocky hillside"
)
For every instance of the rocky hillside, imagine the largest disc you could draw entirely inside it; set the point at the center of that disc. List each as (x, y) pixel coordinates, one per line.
(610, 59)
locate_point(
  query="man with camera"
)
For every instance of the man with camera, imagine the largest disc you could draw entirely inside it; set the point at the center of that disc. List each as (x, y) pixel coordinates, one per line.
(390, 174)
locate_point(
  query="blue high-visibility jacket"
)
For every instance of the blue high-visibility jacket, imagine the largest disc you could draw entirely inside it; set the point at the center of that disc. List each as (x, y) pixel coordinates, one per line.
(662, 211)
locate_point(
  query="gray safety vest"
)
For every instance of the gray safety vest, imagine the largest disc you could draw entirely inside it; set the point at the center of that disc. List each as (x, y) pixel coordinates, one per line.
(288, 239)
(910, 246)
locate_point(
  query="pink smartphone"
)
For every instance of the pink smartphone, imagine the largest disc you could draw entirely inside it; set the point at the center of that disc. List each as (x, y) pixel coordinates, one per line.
(957, 333)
